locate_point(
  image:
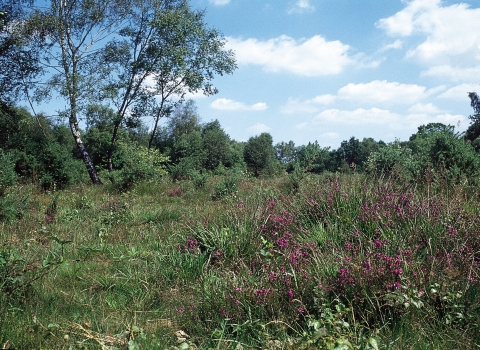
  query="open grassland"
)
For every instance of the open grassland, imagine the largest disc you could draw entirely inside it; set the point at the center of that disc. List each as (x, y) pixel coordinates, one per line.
(331, 262)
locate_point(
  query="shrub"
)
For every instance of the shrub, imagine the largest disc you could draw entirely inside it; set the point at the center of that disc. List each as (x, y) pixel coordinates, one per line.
(8, 176)
(139, 164)
(393, 159)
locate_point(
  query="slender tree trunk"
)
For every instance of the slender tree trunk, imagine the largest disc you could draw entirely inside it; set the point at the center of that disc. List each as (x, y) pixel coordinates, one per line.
(112, 145)
(70, 71)
(83, 151)
(157, 118)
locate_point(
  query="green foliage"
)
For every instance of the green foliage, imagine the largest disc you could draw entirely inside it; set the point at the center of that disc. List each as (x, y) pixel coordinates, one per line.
(347, 262)
(184, 120)
(259, 155)
(8, 176)
(183, 169)
(216, 144)
(199, 179)
(313, 158)
(13, 206)
(286, 153)
(235, 158)
(333, 330)
(139, 164)
(393, 159)
(189, 145)
(59, 169)
(228, 186)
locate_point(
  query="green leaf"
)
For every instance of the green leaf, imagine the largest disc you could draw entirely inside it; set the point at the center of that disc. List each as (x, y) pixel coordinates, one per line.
(184, 346)
(132, 345)
(373, 343)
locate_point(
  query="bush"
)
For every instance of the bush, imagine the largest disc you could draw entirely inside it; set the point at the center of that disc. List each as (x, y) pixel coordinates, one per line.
(228, 185)
(13, 206)
(140, 164)
(59, 168)
(393, 159)
(8, 176)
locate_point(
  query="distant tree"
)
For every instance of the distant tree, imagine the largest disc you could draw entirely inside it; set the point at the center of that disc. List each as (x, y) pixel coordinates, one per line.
(216, 144)
(184, 120)
(235, 157)
(353, 152)
(440, 148)
(426, 130)
(286, 153)
(313, 158)
(190, 145)
(259, 155)
(473, 131)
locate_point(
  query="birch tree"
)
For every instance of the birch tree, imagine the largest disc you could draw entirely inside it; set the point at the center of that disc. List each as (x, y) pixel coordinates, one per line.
(166, 51)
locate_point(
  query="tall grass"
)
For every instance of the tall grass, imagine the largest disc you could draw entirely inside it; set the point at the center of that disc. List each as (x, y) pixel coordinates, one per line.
(340, 262)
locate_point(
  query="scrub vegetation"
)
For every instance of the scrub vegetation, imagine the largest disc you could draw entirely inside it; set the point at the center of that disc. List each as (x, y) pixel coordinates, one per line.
(243, 245)
(178, 237)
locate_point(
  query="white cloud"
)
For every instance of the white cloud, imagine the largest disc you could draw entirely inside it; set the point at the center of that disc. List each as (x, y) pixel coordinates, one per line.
(308, 57)
(219, 2)
(382, 92)
(301, 6)
(372, 93)
(357, 117)
(460, 92)
(226, 104)
(258, 128)
(308, 106)
(421, 108)
(466, 74)
(195, 95)
(397, 44)
(385, 119)
(451, 36)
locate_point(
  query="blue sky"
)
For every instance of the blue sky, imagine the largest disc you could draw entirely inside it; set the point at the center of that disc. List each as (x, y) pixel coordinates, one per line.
(326, 70)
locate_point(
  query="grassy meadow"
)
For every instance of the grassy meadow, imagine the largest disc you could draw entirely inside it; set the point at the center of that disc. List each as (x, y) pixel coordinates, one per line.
(323, 262)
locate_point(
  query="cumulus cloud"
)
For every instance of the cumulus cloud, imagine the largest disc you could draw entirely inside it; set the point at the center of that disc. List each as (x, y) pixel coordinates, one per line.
(372, 93)
(258, 128)
(397, 44)
(301, 6)
(219, 2)
(382, 91)
(225, 104)
(451, 36)
(356, 117)
(307, 57)
(460, 92)
(308, 106)
(376, 117)
(467, 74)
(422, 108)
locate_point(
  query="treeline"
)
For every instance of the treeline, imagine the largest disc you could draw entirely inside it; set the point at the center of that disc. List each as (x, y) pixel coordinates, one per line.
(38, 150)
(118, 63)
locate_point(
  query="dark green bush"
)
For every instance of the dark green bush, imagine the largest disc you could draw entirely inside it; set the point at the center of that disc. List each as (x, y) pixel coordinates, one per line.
(8, 176)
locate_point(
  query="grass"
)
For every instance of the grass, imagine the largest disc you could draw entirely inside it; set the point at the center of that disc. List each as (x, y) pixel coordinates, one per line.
(342, 262)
